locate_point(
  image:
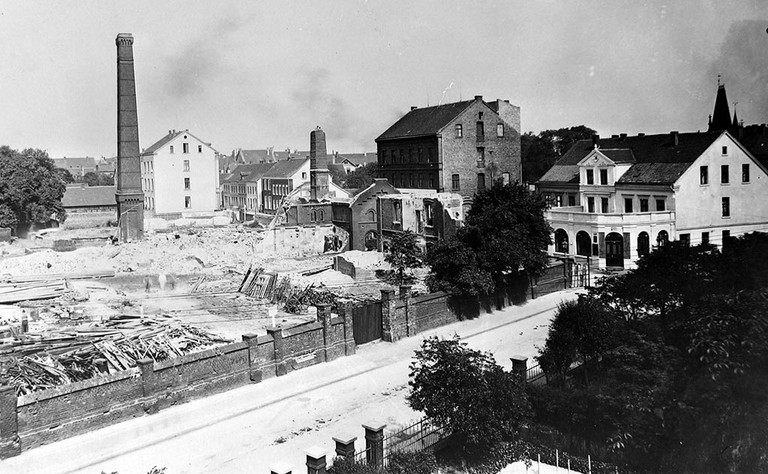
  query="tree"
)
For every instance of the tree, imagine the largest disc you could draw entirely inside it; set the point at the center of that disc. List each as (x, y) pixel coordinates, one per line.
(466, 391)
(65, 175)
(30, 189)
(539, 152)
(98, 179)
(403, 253)
(362, 176)
(505, 232)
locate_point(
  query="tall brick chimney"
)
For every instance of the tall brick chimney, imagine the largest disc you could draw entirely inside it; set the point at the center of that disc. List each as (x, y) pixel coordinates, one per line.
(129, 196)
(318, 178)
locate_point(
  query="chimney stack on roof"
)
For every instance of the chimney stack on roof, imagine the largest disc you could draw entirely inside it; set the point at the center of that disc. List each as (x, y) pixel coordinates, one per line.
(478, 97)
(622, 136)
(595, 140)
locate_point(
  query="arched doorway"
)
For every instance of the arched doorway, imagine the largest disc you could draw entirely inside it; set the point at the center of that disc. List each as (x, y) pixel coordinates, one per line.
(643, 244)
(561, 241)
(662, 239)
(371, 240)
(583, 244)
(614, 250)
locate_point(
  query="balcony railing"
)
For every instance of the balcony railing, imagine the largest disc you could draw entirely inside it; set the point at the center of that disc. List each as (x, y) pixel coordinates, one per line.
(576, 215)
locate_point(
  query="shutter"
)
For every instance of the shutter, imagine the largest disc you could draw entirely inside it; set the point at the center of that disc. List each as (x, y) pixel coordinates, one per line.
(627, 254)
(601, 244)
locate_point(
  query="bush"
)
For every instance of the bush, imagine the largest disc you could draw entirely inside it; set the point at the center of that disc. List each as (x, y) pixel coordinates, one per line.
(415, 462)
(350, 466)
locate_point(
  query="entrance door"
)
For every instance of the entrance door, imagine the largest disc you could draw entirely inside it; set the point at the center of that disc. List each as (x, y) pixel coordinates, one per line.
(366, 323)
(614, 250)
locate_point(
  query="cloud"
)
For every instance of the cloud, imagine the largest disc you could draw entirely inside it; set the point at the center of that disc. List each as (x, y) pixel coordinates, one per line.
(313, 99)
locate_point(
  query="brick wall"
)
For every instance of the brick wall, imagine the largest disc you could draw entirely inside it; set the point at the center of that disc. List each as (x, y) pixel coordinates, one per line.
(55, 414)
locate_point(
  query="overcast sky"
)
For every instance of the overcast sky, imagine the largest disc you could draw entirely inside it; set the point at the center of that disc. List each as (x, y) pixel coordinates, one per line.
(265, 73)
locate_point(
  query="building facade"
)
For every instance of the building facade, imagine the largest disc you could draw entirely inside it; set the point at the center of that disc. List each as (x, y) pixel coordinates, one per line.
(280, 180)
(179, 174)
(614, 199)
(462, 147)
(242, 189)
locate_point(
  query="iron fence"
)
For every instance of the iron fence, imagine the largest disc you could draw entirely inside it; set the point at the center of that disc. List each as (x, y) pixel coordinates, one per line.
(419, 436)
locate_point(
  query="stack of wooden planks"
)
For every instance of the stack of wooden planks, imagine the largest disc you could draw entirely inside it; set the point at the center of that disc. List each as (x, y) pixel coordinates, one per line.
(31, 290)
(35, 362)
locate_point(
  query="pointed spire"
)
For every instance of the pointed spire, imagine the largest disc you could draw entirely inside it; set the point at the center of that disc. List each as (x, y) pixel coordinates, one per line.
(721, 116)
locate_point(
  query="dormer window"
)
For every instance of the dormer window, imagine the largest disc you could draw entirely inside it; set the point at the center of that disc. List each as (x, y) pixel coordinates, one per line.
(590, 177)
(603, 176)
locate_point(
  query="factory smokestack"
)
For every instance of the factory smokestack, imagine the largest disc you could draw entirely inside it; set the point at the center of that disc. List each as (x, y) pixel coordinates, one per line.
(318, 177)
(129, 196)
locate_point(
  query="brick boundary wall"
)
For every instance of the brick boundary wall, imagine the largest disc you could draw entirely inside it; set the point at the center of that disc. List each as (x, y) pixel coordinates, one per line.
(55, 414)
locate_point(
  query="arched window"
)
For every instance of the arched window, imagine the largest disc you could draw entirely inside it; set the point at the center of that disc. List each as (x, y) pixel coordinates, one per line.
(371, 240)
(643, 244)
(371, 214)
(662, 239)
(321, 215)
(583, 244)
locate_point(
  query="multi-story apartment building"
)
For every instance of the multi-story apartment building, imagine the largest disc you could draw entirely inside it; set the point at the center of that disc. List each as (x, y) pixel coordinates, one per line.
(242, 189)
(614, 198)
(282, 178)
(179, 174)
(461, 147)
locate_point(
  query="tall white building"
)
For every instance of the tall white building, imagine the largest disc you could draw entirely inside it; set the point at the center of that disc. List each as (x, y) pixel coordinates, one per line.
(179, 174)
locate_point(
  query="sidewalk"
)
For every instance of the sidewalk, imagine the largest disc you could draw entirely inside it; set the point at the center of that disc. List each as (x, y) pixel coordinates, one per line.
(252, 427)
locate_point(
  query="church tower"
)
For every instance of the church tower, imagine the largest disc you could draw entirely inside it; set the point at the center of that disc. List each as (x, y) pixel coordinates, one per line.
(721, 117)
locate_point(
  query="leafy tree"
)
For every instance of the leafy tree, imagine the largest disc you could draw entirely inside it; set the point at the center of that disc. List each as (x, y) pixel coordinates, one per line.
(466, 391)
(30, 189)
(403, 253)
(505, 233)
(65, 175)
(362, 176)
(98, 179)
(338, 176)
(539, 152)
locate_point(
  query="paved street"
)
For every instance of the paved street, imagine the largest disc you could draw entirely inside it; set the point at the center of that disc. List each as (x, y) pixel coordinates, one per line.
(247, 429)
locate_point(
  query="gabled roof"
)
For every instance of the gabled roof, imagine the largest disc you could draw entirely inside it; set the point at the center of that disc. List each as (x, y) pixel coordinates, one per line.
(286, 169)
(248, 173)
(254, 156)
(85, 162)
(424, 121)
(168, 138)
(88, 196)
(337, 167)
(358, 159)
(658, 149)
(619, 156)
(379, 186)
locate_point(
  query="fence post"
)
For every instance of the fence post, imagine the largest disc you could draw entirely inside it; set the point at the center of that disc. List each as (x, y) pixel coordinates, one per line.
(324, 316)
(345, 446)
(281, 468)
(388, 309)
(315, 460)
(374, 444)
(520, 367)
(410, 318)
(10, 444)
(345, 311)
(252, 341)
(277, 339)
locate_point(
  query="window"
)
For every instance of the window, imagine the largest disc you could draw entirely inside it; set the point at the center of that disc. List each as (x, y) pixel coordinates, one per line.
(187, 202)
(428, 211)
(604, 205)
(411, 181)
(745, 173)
(724, 174)
(402, 156)
(481, 157)
(186, 165)
(559, 200)
(431, 154)
(303, 175)
(726, 236)
(431, 181)
(603, 176)
(703, 175)
(455, 183)
(705, 238)
(185, 147)
(421, 156)
(186, 183)
(410, 155)
(480, 116)
(199, 148)
(480, 181)
(725, 150)
(421, 180)
(661, 205)
(500, 130)
(627, 205)
(590, 177)
(397, 206)
(505, 178)
(571, 199)
(591, 204)
(394, 156)
(685, 239)
(726, 207)
(459, 131)
(171, 150)
(480, 131)
(643, 244)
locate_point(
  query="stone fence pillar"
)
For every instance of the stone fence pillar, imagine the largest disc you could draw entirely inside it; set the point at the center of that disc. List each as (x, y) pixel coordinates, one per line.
(315, 460)
(388, 309)
(281, 468)
(520, 367)
(374, 444)
(10, 444)
(410, 318)
(277, 337)
(345, 446)
(345, 311)
(324, 316)
(252, 341)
